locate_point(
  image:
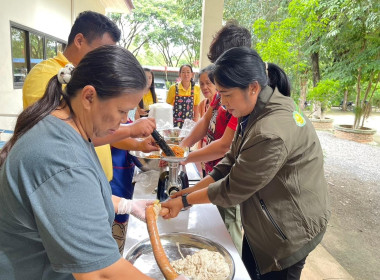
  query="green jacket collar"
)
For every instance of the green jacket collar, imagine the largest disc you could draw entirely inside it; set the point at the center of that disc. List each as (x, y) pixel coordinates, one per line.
(262, 100)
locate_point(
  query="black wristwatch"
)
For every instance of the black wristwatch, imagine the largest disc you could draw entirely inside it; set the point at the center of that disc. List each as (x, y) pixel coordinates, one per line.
(185, 202)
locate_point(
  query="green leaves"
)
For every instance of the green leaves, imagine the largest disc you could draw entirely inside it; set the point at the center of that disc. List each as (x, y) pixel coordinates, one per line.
(325, 92)
(344, 33)
(160, 32)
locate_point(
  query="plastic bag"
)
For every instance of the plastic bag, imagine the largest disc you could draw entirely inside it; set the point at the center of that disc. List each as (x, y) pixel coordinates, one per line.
(188, 125)
(163, 114)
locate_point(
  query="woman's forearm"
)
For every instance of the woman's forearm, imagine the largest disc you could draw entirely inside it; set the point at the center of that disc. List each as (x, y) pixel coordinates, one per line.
(196, 113)
(202, 184)
(139, 128)
(198, 197)
(212, 151)
(129, 144)
(119, 270)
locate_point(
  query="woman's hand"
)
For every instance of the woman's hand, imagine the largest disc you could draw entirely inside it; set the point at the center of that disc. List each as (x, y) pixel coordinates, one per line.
(135, 207)
(148, 145)
(181, 192)
(174, 205)
(142, 127)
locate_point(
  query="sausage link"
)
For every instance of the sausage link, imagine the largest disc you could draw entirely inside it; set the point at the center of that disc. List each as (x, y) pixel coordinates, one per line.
(158, 251)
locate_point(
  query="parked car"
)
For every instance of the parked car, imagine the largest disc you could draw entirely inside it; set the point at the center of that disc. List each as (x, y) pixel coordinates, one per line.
(161, 90)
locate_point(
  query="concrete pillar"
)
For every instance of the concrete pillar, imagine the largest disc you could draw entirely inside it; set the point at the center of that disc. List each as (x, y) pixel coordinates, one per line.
(212, 16)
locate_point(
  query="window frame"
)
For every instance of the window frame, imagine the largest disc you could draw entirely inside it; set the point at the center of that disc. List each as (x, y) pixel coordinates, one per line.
(27, 31)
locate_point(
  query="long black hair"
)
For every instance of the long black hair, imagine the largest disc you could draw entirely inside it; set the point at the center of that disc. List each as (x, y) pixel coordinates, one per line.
(111, 70)
(241, 66)
(152, 89)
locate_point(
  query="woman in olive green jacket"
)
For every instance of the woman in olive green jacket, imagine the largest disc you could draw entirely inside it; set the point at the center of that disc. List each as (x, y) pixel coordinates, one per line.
(274, 169)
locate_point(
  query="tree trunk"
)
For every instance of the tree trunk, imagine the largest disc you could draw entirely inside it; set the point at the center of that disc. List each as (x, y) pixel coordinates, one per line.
(366, 103)
(344, 105)
(316, 78)
(358, 109)
(303, 83)
(315, 68)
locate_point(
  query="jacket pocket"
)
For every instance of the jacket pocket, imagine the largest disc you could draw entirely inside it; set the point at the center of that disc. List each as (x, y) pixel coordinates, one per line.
(268, 214)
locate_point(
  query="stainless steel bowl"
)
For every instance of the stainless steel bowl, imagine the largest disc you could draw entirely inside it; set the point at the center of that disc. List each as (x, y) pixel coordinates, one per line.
(145, 163)
(141, 254)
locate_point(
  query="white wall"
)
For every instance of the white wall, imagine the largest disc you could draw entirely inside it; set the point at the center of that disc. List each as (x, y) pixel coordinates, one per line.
(51, 17)
(212, 17)
(84, 5)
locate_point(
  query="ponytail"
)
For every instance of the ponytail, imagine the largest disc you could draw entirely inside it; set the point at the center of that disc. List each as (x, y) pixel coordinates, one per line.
(278, 78)
(33, 114)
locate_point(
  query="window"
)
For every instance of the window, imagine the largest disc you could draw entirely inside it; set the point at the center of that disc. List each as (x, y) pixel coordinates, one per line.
(53, 47)
(36, 49)
(19, 60)
(30, 47)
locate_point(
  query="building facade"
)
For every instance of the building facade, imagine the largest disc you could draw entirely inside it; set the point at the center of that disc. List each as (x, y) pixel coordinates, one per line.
(31, 31)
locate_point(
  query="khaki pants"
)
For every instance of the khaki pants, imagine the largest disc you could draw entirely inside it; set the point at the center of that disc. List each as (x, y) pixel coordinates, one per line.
(232, 220)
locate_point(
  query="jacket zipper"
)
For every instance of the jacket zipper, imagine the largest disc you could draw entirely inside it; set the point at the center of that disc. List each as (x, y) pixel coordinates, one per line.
(265, 209)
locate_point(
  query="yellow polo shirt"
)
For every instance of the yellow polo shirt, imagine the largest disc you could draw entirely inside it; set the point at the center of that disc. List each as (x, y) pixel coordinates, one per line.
(38, 78)
(147, 100)
(182, 92)
(34, 88)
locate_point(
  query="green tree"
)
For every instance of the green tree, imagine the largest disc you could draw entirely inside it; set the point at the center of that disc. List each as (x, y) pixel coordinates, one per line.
(293, 43)
(18, 43)
(246, 12)
(175, 37)
(160, 28)
(191, 9)
(131, 26)
(354, 42)
(324, 93)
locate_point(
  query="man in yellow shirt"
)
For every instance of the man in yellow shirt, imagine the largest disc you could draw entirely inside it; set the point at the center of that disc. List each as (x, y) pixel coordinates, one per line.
(90, 30)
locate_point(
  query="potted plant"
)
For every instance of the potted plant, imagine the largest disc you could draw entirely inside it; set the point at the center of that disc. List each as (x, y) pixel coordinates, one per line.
(323, 94)
(363, 107)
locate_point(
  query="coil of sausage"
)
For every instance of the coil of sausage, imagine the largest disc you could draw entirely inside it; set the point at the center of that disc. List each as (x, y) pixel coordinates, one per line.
(162, 260)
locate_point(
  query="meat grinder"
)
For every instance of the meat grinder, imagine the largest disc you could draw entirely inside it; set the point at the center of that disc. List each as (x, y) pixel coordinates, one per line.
(173, 177)
(172, 180)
